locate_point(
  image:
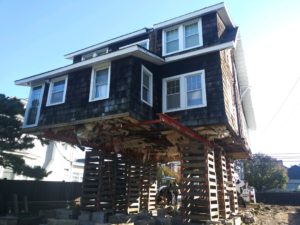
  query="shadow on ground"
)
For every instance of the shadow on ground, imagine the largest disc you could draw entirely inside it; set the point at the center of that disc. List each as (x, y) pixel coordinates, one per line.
(294, 218)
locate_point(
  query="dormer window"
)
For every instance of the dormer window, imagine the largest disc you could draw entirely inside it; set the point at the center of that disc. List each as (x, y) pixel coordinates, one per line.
(182, 37)
(143, 43)
(96, 53)
(57, 91)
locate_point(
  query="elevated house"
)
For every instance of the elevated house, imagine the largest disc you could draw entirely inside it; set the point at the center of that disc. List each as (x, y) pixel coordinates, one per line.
(176, 91)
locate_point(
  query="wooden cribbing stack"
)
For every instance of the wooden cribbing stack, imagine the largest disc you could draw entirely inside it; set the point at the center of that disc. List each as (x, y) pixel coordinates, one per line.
(199, 183)
(113, 184)
(231, 187)
(223, 195)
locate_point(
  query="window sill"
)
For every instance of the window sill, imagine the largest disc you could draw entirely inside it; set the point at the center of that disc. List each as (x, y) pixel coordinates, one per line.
(181, 109)
(52, 104)
(97, 99)
(182, 50)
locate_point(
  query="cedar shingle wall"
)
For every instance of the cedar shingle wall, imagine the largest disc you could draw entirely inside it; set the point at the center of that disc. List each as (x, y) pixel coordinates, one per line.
(214, 112)
(77, 105)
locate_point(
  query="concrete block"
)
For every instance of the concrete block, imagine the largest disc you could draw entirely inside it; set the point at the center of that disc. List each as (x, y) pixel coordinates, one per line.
(237, 220)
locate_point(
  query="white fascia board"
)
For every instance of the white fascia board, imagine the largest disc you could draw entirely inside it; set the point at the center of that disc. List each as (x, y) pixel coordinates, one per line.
(132, 50)
(214, 48)
(105, 43)
(194, 14)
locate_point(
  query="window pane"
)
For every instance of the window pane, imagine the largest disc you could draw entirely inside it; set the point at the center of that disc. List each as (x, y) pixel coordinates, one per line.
(192, 41)
(173, 101)
(101, 76)
(101, 91)
(194, 95)
(56, 97)
(146, 79)
(194, 98)
(172, 35)
(143, 44)
(172, 46)
(173, 87)
(146, 95)
(191, 29)
(193, 82)
(191, 35)
(172, 42)
(34, 105)
(58, 86)
(173, 94)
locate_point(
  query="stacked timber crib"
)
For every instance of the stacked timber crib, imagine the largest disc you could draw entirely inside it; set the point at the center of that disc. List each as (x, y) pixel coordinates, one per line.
(114, 184)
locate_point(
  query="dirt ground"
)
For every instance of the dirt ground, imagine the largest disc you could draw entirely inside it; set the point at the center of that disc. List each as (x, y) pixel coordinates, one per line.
(271, 214)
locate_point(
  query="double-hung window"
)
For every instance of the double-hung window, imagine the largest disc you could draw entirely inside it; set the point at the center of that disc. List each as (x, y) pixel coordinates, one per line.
(57, 91)
(182, 37)
(99, 88)
(146, 86)
(184, 91)
(33, 106)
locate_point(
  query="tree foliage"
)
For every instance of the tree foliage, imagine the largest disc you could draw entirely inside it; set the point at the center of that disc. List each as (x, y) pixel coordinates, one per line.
(265, 173)
(12, 139)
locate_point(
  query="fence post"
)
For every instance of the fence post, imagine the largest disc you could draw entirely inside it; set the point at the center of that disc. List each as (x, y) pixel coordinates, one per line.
(16, 203)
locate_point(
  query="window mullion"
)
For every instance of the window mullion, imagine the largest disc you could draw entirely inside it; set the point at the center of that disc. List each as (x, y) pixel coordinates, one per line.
(182, 93)
(181, 37)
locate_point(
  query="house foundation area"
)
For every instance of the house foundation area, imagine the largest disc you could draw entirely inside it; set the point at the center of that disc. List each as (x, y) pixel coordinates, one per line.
(177, 91)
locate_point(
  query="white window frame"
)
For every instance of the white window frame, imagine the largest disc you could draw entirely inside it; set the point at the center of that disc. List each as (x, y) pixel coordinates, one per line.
(136, 43)
(92, 84)
(39, 109)
(183, 91)
(150, 84)
(181, 36)
(52, 81)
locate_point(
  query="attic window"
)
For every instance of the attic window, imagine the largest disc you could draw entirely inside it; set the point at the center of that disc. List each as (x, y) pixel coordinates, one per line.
(143, 43)
(57, 91)
(146, 86)
(94, 54)
(182, 37)
(100, 82)
(184, 91)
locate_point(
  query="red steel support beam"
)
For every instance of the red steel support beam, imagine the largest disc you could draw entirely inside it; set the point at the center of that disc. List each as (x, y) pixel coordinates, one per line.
(163, 118)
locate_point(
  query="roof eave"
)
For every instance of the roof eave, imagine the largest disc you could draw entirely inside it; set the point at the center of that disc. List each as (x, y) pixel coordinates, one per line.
(220, 8)
(130, 51)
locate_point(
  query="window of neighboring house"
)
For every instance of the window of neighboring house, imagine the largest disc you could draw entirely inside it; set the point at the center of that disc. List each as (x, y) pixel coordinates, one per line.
(146, 86)
(96, 53)
(100, 83)
(57, 91)
(184, 91)
(143, 43)
(33, 106)
(182, 37)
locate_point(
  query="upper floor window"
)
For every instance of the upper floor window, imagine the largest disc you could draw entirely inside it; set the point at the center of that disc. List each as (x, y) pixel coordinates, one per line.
(182, 37)
(96, 53)
(100, 83)
(33, 106)
(184, 91)
(143, 43)
(146, 86)
(57, 91)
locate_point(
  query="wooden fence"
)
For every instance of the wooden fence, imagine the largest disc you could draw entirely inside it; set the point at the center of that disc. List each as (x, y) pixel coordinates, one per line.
(279, 198)
(40, 194)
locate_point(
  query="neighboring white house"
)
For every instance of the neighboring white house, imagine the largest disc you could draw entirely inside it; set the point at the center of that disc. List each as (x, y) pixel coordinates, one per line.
(65, 162)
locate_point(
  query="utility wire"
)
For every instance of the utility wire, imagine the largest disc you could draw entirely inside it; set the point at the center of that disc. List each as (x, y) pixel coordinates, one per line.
(281, 106)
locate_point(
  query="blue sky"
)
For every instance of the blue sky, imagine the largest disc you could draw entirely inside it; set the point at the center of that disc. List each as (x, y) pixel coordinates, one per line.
(35, 35)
